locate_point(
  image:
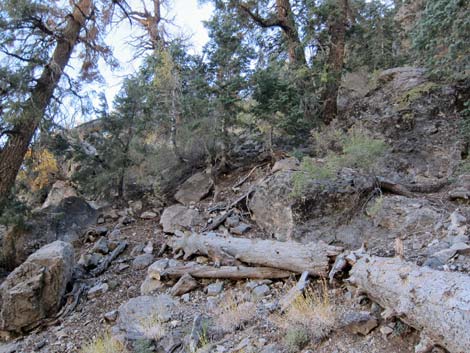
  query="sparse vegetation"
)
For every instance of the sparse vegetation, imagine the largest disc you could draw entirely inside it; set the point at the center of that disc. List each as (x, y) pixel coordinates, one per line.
(152, 327)
(354, 149)
(104, 344)
(311, 317)
(296, 338)
(232, 314)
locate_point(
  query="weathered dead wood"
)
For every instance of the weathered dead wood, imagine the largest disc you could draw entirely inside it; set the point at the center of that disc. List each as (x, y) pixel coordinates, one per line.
(244, 179)
(226, 272)
(109, 259)
(221, 218)
(411, 189)
(437, 303)
(217, 221)
(290, 256)
(394, 188)
(294, 292)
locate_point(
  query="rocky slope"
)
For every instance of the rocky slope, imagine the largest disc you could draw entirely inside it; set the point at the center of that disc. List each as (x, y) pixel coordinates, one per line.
(413, 209)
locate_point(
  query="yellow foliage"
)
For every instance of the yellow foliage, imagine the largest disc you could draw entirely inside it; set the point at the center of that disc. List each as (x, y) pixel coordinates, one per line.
(40, 170)
(104, 344)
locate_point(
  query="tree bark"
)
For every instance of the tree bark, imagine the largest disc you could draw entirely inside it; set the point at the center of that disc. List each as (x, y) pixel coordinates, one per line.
(285, 20)
(12, 155)
(225, 272)
(437, 303)
(314, 258)
(337, 29)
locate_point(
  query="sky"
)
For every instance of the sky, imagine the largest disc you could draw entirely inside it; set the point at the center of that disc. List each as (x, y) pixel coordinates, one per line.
(187, 16)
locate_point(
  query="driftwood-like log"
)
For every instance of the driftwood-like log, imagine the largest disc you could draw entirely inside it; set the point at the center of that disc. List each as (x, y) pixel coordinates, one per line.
(290, 256)
(103, 266)
(226, 272)
(434, 302)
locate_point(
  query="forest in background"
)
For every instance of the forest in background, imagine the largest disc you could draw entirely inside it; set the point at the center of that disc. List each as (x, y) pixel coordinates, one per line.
(272, 70)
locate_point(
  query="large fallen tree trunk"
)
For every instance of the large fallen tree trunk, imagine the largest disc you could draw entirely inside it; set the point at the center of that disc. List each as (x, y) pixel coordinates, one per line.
(434, 302)
(226, 272)
(315, 258)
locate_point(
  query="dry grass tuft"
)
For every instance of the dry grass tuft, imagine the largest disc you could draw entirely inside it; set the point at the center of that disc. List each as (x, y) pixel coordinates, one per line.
(312, 312)
(104, 344)
(152, 327)
(232, 314)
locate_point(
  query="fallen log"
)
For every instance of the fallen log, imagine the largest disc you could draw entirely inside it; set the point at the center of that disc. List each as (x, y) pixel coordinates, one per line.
(291, 256)
(225, 272)
(103, 266)
(434, 302)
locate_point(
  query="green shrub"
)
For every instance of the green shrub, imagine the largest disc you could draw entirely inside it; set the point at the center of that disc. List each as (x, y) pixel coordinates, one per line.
(296, 338)
(354, 149)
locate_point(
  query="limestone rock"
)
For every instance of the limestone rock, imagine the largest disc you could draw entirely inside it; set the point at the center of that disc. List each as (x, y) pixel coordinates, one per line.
(215, 288)
(194, 189)
(148, 215)
(59, 191)
(178, 217)
(34, 290)
(142, 261)
(277, 211)
(361, 322)
(291, 163)
(184, 285)
(141, 315)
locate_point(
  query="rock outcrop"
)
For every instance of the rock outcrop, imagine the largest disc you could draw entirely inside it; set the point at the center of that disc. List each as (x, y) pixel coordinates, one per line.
(278, 211)
(34, 290)
(178, 217)
(194, 189)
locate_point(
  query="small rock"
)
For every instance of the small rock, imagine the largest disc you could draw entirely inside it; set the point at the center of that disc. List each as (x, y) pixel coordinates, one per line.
(185, 297)
(232, 221)
(214, 289)
(148, 215)
(137, 250)
(90, 261)
(142, 261)
(461, 248)
(101, 231)
(202, 260)
(184, 285)
(241, 229)
(361, 322)
(136, 206)
(39, 345)
(100, 220)
(111, 316)
(97, 290)
(101, 246)
(115, 234)
(150, 286)
(385, 330)
(243, 344)
(261, 291)
(123, 267)
(148, 248)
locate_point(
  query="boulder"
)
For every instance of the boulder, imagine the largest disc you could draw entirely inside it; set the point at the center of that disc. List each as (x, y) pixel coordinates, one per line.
(291, 163)
(277, 211)
(34, 290)
(141, 317)
(178, 217)
(194, 189)
(59, 191)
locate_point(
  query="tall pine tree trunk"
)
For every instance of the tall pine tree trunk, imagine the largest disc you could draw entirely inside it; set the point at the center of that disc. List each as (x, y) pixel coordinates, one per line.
(12, 154)
(337, 29)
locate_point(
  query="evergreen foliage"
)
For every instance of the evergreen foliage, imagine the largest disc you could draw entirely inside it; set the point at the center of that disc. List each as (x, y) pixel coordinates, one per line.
(441, 38)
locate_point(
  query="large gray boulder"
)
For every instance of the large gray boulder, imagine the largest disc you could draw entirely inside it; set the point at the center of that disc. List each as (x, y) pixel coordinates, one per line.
(194, 189)
(34, 290)
(143, 317)
(279, 212)
(178, 217)
(59, 191)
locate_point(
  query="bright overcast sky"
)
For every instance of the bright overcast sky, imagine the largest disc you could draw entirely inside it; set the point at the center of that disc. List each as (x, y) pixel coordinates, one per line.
(187, 16)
